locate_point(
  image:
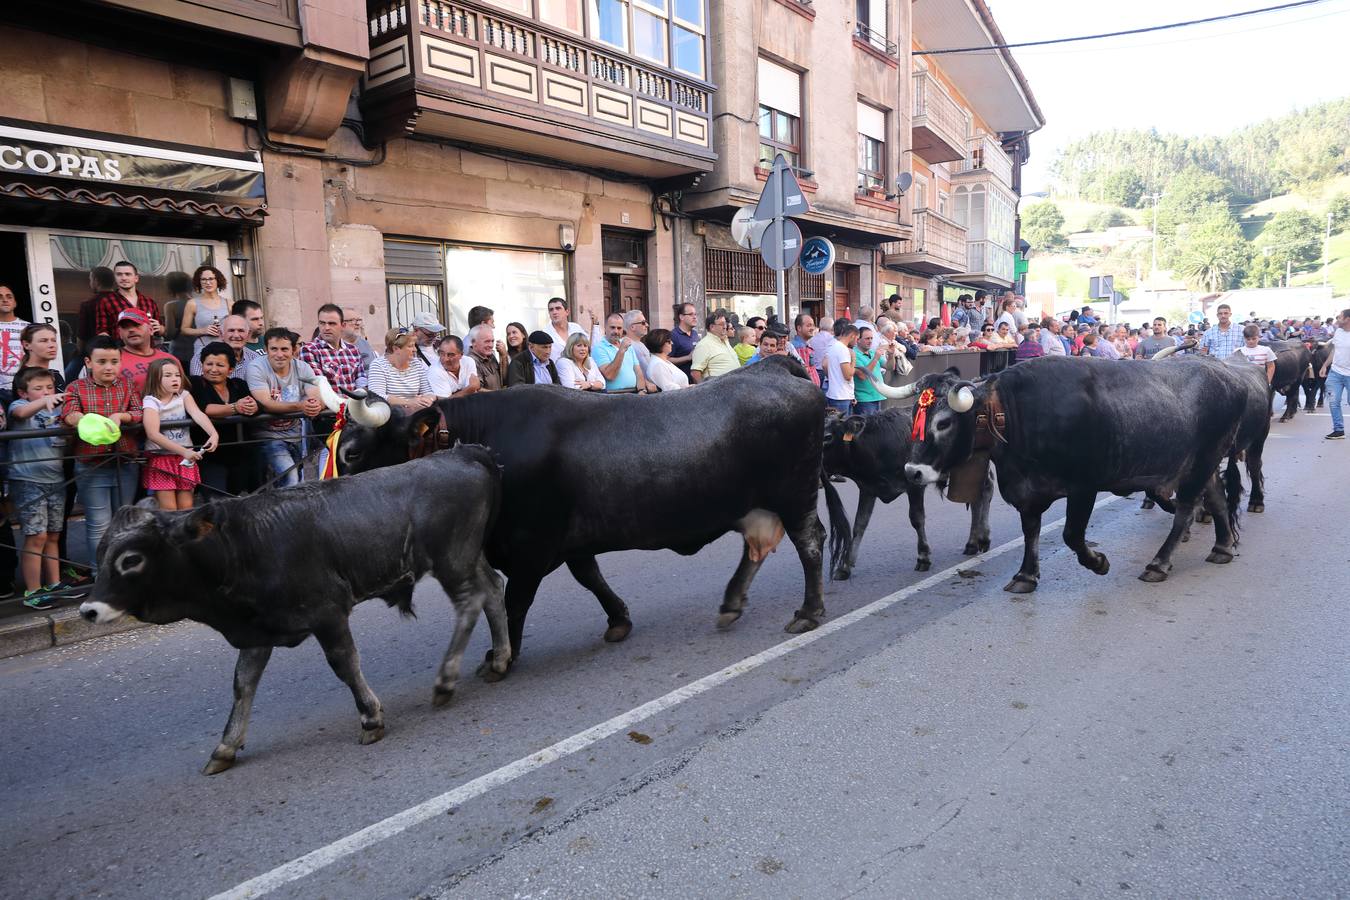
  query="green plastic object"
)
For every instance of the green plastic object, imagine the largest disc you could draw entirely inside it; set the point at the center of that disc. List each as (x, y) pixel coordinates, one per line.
(98, 430)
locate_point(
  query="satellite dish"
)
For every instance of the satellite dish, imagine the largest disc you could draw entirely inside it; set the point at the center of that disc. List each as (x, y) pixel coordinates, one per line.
(746, 230)
(903, 182)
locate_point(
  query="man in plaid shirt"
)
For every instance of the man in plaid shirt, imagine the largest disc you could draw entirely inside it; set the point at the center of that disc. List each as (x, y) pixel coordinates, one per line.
(329, 355)
(109, 305)
(106, 475)
(1222, 340)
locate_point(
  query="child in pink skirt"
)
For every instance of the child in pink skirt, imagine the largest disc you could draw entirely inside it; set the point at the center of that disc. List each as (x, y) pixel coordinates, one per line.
(171, 472)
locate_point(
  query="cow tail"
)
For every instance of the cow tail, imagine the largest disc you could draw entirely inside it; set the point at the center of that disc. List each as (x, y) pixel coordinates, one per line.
(1232, 488)
(841, 532)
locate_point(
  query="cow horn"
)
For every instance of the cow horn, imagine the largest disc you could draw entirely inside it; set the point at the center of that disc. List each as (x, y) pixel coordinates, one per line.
(961, 398)
(1166, 352)
(331, 401)
(369, 412)
(895, 393)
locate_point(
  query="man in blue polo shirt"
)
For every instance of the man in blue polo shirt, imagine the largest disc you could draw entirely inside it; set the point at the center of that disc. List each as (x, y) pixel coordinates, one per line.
(683, 337)
(617, 358)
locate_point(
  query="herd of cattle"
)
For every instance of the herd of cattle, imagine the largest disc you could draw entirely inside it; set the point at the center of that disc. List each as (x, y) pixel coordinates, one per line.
(527, 471)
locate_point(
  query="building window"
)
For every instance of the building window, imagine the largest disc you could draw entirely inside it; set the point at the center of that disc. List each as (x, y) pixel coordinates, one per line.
(920, 192)
(515, 6)
(871, 22)
(780, 110)
(943, 207)
(669, 32)
(871, 148)
(564, 14)
(518, 281)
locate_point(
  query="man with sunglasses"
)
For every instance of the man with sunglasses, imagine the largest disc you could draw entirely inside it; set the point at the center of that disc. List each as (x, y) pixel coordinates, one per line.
(684, 336)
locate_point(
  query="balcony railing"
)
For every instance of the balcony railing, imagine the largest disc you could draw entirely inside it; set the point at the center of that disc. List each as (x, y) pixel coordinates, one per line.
(876, 40)
(464, 51)
(985, 156)
(938, 246)
(989, 259)
(940, 124)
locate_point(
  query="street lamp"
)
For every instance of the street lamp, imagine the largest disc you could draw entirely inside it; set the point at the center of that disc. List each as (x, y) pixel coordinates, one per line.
(239, 271)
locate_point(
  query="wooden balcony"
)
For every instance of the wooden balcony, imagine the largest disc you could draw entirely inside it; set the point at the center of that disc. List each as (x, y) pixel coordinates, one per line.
(938, 246)
(270, 21)
(939, 124)
(984, 158)
(471, 73)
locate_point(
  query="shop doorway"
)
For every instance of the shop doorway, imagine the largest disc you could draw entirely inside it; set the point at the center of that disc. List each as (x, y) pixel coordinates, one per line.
(845, 289)
(14, 271)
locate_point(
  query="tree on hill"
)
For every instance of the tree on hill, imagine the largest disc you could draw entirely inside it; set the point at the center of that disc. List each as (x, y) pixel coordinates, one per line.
(1339, 209)
(1194, 196)
(1108, 218)
(1213, 253)
(1123, 187)
(1043, 226)
(1293, 237)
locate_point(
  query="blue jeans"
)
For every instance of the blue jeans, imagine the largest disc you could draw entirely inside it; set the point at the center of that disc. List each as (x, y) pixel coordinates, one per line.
(844, 406)
(1337, 386)
(103, 488)
(280, 456)
(867, 407)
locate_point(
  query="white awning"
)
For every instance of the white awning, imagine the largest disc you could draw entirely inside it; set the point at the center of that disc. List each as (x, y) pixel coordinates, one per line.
(780, 88)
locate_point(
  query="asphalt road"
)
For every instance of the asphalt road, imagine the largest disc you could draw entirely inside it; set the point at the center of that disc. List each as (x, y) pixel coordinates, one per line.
(946, 739)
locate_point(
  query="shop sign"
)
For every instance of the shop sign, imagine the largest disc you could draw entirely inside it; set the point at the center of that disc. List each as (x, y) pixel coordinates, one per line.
(28, 148)
(817, 255)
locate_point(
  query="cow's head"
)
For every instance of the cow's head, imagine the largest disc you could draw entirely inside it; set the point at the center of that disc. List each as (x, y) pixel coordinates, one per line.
(948, 430)
(375, 436)
(872, 450)
(153, 565)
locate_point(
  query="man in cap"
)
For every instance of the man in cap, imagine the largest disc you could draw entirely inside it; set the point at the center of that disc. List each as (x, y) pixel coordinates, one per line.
(138, 352)
(426, 327)
(534, 367)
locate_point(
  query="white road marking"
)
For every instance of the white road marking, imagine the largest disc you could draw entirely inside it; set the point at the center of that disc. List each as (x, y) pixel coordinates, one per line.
(315, 860)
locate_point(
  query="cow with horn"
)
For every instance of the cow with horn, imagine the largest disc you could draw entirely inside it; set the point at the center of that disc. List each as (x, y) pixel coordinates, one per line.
(1072, 427)
(872, 451)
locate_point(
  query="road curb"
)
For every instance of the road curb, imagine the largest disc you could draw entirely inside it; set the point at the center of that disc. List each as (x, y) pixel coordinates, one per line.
(57, 628)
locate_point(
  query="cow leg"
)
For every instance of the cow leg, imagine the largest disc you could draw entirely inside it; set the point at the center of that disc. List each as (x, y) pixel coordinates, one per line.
(978, 542)
(733, 601)
(340, 651)
(867, 502)
(247, 673)
(587, 573)
(1079, 511)
(520, 591)
(1218, 509)
(1027, 577)
(808, 536)
(1290, 402)
(918, 520)
(1161, 564)
(480, 591)
(1256, 499)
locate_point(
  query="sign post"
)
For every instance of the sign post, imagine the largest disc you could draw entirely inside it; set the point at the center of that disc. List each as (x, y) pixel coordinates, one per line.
(782, 241)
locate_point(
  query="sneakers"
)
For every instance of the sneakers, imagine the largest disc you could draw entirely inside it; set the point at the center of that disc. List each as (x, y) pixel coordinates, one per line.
(74, 586)
(37, 599)
(7, 591)
(1336, 436)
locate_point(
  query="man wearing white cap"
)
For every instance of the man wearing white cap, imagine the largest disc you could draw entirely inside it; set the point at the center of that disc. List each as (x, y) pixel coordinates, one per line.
(427, 328)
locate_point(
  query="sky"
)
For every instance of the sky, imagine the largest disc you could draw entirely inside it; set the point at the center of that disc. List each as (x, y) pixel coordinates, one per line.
(1205, 79)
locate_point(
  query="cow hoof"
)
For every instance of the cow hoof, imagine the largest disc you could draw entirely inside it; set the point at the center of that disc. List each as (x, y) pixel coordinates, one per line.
(441, 696)
(1256, 507)
(1202, 517)
(923, 565)
(1020, 585)
(1101, 565)
(371, 735)
(800, 625)
(1219, 557)
(617, 632)
(970, 549)
(727, 619)
(1153, 575)
(1147, 504)
(217, 764)
(842, 573)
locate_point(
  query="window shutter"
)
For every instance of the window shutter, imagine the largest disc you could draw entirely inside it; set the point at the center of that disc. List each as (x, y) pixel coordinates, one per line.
(872, 122)
(780, 88)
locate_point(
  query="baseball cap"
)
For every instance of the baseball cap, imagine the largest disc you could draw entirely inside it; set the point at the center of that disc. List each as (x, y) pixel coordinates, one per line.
(135, 316)
(425, 321)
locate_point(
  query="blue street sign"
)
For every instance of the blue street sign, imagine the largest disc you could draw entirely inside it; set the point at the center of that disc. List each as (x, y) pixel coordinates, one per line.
(1196, 317)
(817, 256)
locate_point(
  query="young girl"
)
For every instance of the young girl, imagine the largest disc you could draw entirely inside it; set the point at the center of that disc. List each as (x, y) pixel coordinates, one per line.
(171, 471)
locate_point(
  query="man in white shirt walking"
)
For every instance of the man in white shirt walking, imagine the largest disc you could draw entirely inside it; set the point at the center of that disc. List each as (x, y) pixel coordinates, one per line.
(1336, 370)
(839, 369)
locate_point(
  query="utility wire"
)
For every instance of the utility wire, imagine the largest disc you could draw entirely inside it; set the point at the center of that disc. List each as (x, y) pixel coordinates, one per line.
(1111, 34)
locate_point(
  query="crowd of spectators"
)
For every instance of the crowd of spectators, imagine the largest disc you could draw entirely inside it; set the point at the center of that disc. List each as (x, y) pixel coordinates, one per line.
(191, 373)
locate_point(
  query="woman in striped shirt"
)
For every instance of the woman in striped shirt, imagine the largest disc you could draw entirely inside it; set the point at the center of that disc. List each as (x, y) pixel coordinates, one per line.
(399, 376)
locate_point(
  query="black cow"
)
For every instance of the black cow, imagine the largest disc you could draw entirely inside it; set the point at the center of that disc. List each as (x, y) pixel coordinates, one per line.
(584, 474)
(873, 451)
(271, 569)
(1315, 385)
(1072, 427)
(1291, 369)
